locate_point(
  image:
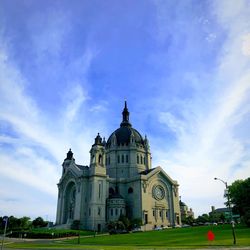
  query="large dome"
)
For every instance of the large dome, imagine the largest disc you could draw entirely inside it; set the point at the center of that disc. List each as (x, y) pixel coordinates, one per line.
(123, 134)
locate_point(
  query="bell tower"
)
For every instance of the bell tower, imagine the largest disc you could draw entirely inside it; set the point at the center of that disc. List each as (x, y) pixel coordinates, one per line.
(97, 186)
(97, 156)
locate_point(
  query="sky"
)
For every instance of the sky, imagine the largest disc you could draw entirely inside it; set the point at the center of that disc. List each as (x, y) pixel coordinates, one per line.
(66, 68)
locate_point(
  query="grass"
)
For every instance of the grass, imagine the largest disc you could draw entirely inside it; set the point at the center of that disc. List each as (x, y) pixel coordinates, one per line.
(179, 238)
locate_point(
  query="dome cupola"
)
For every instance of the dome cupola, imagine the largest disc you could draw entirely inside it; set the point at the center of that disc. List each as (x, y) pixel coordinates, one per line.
(124, 133)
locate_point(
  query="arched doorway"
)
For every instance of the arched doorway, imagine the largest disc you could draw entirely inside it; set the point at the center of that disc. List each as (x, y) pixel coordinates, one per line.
(69, 202)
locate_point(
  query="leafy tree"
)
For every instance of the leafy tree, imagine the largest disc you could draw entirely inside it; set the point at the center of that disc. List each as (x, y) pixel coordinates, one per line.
(203, 218)
(39, 222)
(111, 225)
(239, 193)
(14, 223)
(123, 224)
(222, 217)
(187, 220)
(134, 223)
(25, 222)
(216, 216)
(120, 225)
(125, 221)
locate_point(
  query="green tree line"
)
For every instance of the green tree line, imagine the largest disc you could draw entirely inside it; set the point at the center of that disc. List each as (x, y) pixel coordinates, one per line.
(23, 223)
(239, 194)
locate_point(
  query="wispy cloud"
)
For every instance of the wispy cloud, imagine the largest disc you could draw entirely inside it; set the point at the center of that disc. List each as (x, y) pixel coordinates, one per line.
(48, 32)
(184, 69)
(206, 126)
(32, 151)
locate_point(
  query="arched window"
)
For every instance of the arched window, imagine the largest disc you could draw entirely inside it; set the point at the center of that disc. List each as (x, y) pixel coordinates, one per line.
(141, 159)
(126, 158)
(122, 158)
(144, 159)
(100, 159)
(138, 159)
(130, 190)
(118, 159)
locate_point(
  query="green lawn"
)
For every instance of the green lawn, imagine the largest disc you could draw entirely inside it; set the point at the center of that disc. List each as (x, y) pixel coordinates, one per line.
(195, 237)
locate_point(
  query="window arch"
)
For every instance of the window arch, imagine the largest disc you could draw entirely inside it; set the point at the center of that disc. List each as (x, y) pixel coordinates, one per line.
(100, 159)
(130, 190)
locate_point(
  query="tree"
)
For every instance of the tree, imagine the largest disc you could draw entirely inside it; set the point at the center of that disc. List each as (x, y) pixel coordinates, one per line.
(222, 217)
(202, 218)
(14, 223)
(239, 193)
(135, 223)
(25, 222)
(125, 221)
(39, 222)
(187, 220)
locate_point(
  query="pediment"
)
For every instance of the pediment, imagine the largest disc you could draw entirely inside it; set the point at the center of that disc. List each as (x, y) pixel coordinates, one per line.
(159, 173)
(69, 174)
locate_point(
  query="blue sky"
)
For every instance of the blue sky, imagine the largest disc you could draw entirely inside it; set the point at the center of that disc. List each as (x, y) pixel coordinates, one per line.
(66, 68)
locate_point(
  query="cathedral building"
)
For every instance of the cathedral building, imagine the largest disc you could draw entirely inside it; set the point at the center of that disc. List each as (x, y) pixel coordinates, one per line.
(118, 181)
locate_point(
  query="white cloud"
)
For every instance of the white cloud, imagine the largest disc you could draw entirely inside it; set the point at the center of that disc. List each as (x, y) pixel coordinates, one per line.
(35, 145)
(246, 45)
(207, 142)
(74, 99)
(48, 32)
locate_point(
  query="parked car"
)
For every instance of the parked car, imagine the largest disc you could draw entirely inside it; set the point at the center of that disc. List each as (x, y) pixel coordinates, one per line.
(185, 225)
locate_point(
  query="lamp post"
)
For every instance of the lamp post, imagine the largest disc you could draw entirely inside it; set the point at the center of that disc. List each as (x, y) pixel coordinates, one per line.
(229, 206)
(5, 219)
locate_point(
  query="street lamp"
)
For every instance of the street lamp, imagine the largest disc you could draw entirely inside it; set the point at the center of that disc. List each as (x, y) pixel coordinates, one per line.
(229, 206)
(5, 220)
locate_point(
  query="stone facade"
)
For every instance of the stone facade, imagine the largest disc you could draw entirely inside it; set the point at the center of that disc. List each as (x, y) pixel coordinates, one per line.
(118, 181)
(185, 212)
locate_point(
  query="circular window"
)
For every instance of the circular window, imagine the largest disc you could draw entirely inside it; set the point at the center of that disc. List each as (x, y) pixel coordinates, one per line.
(158, 192)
